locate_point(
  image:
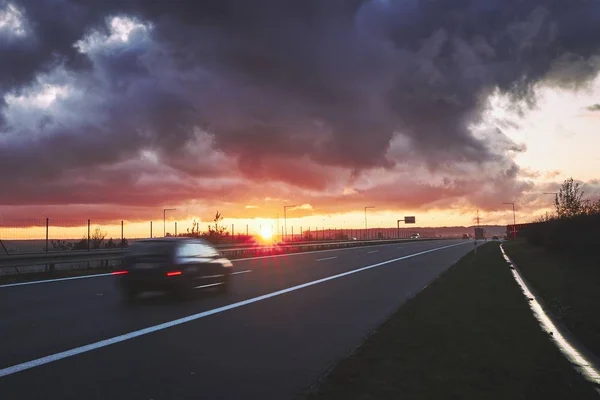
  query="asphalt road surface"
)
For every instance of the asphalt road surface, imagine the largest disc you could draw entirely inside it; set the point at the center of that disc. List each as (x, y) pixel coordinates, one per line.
(285, 322)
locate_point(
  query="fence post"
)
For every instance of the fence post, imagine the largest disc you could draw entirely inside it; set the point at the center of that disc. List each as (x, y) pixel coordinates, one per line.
(175, 228)
(88, 243)
(47, 221)
(122, 238)
(232, 234)
(150, 229)
(292, 233)
(247, 230)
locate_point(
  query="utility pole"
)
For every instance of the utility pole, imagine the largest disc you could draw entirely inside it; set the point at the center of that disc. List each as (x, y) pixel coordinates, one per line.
(165, 220)
(366, 228)
(285, 220)
(514, 219)
(477, 219)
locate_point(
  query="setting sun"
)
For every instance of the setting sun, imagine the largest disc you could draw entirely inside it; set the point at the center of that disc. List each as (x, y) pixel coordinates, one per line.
(266, 233)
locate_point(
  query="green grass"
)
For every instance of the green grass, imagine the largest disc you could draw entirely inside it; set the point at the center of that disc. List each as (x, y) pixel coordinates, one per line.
(569, 287)
(469, 335)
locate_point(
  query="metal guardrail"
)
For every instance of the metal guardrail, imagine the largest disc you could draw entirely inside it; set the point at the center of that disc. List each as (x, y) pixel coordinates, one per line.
(24, 260)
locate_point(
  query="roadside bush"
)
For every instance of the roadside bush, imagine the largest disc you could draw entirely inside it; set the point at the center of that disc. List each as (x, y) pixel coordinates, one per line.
(577, 234)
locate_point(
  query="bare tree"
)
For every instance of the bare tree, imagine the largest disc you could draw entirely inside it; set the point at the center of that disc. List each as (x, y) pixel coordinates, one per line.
(97, 238)
(217, 229)
(569, 200)
(195, 231)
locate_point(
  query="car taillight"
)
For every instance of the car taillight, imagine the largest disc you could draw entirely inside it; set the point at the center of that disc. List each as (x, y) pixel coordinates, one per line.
(173, 273)
(124, 272)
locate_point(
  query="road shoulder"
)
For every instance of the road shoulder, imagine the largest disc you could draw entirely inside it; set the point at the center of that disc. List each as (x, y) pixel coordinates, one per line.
(470, 334)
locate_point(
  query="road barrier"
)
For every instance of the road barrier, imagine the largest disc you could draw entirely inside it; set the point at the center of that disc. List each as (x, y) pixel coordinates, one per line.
(48, 261)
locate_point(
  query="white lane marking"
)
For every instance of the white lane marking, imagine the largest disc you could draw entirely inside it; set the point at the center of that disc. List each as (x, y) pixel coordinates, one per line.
(241, 272)
(569, 350)
(315, 251)
(235, 260)
(326, 258)
(211, 276)
(151, 329)
(55, 280)
(374, 251)
(209, 285)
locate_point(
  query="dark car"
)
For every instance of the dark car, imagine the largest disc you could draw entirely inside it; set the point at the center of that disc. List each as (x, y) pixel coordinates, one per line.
(177, 265)
(495, 237)
(466, 236)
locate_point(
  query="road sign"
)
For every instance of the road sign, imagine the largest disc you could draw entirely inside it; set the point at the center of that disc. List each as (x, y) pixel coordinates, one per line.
(409, 220)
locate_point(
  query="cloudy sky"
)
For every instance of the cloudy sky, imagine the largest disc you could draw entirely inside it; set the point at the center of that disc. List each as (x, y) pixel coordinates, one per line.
(115, 111)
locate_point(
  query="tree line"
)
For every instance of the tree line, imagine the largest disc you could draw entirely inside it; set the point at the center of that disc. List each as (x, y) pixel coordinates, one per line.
(574, 227)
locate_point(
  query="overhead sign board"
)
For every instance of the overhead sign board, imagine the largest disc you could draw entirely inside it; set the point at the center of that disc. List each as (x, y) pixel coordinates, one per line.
(409, 220)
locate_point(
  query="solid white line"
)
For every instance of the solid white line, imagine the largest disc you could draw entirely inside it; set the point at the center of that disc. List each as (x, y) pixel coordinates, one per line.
(241, 272)
(315, 251)
(568, 349)
(374, 251)
(131, 335)
(209, 285)
(55, 280)
(325, 259)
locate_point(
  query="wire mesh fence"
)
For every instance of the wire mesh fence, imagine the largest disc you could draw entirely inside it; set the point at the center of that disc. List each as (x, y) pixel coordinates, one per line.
(54, 235)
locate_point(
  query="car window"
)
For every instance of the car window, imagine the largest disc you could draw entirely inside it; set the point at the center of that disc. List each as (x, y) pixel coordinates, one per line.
(186, 250)
(151, 248)
(196, 249)
(205, 250)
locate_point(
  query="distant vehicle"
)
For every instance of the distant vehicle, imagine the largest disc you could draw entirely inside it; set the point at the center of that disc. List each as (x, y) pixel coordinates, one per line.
(466, 236)
(415, 236)
(354, 238)
(176, 265)
(495, 237)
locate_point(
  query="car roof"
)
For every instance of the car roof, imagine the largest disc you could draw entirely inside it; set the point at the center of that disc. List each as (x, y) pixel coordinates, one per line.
(173, 240)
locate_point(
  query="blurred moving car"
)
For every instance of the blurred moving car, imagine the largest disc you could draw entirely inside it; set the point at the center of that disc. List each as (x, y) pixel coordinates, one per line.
(176, 265)
(466, 236)
(495, 237)
(415, 236)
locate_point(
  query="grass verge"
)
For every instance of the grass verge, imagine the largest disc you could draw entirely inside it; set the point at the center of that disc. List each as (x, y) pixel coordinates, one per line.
(469, 335)
(568, 286)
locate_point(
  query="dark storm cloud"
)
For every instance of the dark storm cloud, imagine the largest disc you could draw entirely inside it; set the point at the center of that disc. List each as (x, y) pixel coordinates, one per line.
(595, 107)
(330, 81)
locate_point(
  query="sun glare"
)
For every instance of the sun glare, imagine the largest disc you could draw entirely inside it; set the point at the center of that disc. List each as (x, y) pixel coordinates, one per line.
(266, 233)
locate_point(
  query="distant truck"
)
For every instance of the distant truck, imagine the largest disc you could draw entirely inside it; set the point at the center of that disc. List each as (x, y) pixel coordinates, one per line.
(479, 234)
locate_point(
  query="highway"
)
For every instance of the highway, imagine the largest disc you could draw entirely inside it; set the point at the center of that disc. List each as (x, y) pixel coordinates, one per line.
(285, 322)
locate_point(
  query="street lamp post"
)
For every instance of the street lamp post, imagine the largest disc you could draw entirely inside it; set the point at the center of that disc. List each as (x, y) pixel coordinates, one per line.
(285, 220)
(165, 220)
(514, 220)
(366, 228)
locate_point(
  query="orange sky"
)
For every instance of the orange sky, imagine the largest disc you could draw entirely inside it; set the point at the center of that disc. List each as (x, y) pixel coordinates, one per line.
(107, 143)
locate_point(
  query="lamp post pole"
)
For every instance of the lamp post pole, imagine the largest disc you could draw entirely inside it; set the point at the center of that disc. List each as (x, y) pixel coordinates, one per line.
(285, 220)
(366, 228)
(165, 220)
